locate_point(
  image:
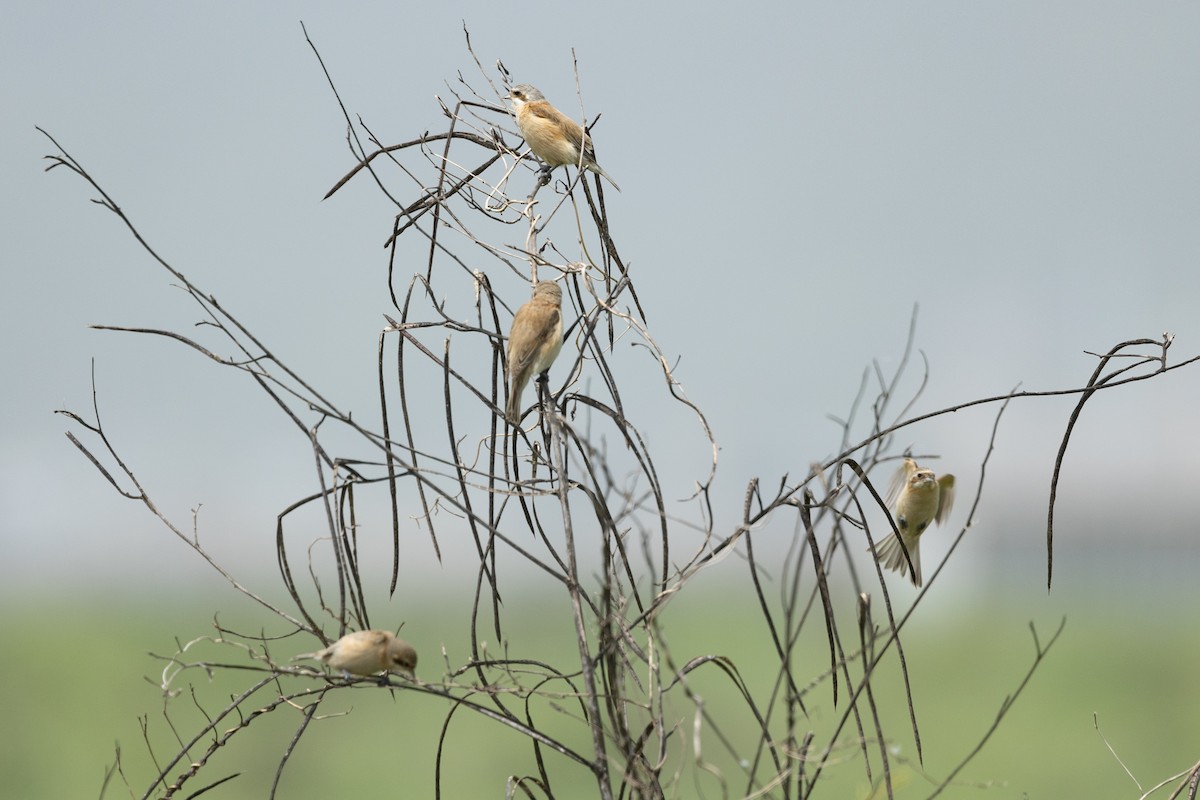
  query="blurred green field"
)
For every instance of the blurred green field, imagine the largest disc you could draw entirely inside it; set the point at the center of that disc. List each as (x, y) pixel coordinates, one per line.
(1132, 664)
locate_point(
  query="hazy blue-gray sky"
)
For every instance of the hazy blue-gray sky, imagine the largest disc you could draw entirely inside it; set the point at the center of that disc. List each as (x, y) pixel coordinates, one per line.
(795, 178)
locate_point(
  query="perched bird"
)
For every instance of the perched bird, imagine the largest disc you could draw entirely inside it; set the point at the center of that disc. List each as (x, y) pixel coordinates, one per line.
(918, 497)
(553, 137)
(367, 653)
(533, 343)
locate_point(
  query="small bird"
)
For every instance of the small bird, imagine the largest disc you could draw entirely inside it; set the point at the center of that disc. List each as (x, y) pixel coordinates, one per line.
(367, 653)
(533, 343)
(918, 497)
(553, 137)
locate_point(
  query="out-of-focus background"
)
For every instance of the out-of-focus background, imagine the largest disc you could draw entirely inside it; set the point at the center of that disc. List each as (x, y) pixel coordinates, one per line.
(794, 182)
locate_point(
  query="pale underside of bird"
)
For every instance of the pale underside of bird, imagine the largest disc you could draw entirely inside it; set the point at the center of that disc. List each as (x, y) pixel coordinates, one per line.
(918, 497)
(551, 135)
(367, 653)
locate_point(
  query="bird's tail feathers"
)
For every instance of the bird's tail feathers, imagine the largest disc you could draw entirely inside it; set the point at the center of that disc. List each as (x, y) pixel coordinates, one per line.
(512, 411)
(890, 554)
(600, 170)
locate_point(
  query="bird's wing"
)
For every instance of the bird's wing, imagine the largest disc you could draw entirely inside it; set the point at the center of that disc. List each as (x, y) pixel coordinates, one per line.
(569, 127)
(899, 481)
(524, 345)
(945, 497)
